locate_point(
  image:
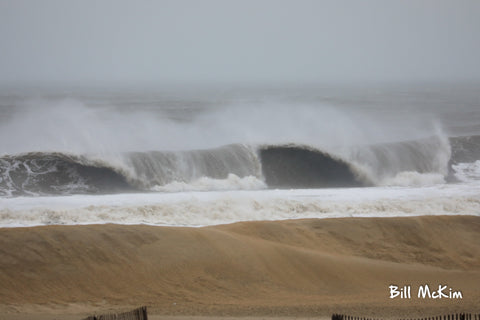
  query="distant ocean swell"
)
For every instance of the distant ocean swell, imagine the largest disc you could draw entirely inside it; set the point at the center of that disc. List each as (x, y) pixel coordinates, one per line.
(237, 166)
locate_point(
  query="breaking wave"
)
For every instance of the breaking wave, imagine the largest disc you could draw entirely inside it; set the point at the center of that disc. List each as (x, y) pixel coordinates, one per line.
(242, 167)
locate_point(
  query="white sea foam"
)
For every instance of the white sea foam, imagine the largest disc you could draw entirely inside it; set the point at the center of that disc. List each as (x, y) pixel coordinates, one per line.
(232, 182)
(414, 179)
(212, 208)
(467, 172)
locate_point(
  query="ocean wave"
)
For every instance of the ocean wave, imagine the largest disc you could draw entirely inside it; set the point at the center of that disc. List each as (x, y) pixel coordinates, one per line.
(240, 167)
(40, 173)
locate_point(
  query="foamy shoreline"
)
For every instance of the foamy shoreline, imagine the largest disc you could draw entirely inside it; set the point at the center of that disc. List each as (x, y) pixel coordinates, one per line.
(197, 209)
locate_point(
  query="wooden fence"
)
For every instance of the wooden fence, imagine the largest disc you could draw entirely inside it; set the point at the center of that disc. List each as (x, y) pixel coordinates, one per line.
(137, 314)
(456, 316)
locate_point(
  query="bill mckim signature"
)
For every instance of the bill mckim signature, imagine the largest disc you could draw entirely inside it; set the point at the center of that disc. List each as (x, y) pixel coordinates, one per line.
(424, 292)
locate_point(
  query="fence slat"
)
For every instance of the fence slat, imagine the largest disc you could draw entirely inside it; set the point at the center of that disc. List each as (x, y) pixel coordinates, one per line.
(141, 314)
(137, 314)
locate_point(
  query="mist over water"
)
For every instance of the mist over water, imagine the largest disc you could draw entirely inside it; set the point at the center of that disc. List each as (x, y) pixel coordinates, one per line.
(109, 141)
(119, 121)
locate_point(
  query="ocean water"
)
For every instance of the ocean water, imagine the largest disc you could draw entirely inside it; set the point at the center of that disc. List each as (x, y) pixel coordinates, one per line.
(195, 157)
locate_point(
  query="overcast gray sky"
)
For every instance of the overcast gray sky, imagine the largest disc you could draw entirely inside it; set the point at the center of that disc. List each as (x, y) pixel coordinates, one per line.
(138, 41)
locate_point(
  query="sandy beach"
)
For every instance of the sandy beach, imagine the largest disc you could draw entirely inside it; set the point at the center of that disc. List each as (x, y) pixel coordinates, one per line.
(294, 268)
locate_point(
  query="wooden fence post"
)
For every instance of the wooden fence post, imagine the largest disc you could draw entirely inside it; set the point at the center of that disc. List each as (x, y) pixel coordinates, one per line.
(145, 315)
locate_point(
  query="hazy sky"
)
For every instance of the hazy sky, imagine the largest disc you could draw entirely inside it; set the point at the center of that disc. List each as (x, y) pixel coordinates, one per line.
(114, 41)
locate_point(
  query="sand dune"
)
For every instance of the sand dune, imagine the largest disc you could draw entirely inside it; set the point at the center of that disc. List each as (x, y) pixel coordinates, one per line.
(289, 268)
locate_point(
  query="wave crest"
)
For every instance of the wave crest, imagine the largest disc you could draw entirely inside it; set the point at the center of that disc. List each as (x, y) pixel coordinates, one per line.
(238, 166)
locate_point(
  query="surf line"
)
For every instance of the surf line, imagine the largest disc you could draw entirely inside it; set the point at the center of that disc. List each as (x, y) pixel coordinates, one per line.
(425, 292)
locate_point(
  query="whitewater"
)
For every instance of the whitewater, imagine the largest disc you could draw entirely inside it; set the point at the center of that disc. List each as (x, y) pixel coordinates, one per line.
(204, 157)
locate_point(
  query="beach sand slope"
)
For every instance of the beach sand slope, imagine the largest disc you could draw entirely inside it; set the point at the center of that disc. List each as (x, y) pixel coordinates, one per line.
(281, 268)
